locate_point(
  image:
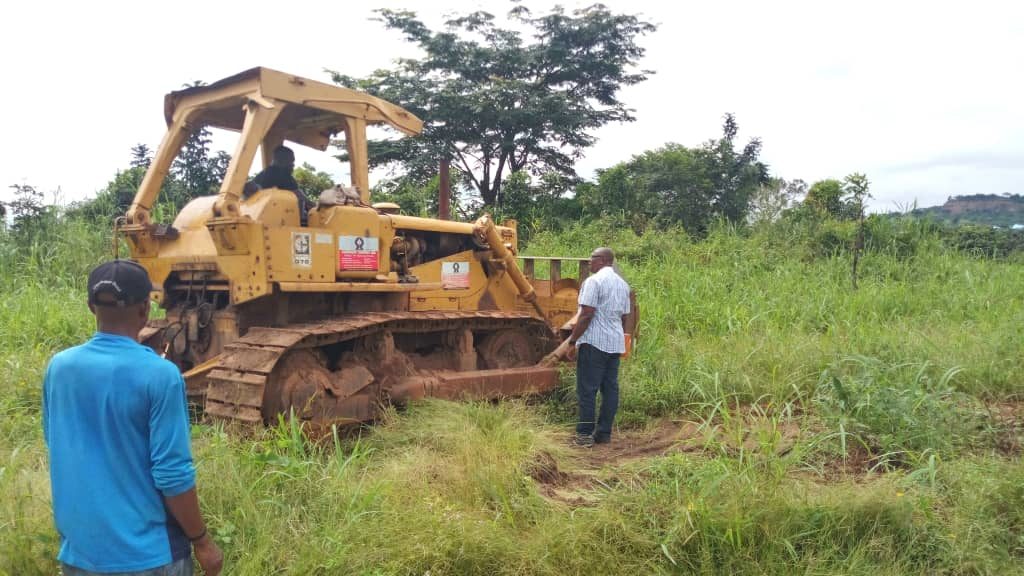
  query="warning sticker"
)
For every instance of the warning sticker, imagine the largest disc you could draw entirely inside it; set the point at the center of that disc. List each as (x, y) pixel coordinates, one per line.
(301, 255)
(357, 252)
(324, 239)
(454, 275)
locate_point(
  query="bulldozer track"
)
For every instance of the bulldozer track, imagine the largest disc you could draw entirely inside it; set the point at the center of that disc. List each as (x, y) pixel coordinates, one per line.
(237, 384)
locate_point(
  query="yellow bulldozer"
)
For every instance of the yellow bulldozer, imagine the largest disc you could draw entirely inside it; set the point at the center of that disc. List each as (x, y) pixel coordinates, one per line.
(332, 314)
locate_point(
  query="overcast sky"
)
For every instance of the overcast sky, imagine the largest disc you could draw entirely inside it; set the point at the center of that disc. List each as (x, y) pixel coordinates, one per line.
(924, 97)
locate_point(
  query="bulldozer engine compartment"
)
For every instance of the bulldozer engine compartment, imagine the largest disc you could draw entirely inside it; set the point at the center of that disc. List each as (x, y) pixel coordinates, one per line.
(411, 248)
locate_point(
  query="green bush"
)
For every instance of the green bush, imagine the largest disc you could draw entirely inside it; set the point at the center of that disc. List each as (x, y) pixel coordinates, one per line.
(985, 241)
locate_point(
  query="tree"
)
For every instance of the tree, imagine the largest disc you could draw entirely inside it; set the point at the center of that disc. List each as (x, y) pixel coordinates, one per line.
(420, 197)
(142, 156)
(769, 201)
(669, 185)
(312, 182)
(192, 167)
(412, 197)
(218, 166)
(855, 186)
(116, 197)
(618, 192)
(679, 185)
(28, 211)
(735, 176)
(537, 203)
(195, 170)
(495, 102)
(826, 198)
(28, 202)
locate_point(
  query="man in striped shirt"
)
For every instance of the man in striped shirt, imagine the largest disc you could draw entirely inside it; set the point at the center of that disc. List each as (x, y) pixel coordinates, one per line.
(600, 340)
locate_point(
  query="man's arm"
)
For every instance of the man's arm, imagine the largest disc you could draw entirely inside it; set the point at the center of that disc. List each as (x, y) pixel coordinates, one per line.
(586, 315)
(185, 509)
(588, 300)
(630, 307)
(173, 472)
(250, 188)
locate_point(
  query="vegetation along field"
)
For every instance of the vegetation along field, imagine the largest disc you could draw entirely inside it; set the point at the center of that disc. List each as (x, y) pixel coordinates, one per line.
(814, 391)
(774, 420)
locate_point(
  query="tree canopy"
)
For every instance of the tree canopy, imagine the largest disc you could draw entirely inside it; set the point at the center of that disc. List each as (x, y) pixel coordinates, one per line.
(677, 185)
(497, 100)
(312, 181)
(826, 197)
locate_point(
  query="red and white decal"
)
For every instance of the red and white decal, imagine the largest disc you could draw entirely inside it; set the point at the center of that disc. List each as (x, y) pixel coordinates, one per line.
(454, 275)
(357, 253)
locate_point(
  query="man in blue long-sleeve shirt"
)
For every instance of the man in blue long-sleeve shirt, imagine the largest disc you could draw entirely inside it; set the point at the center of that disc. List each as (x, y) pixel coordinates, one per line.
(115, 420)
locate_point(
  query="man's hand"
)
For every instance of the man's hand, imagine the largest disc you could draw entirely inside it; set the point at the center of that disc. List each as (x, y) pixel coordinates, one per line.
(570, 353)
(210, 558)
(185, 509)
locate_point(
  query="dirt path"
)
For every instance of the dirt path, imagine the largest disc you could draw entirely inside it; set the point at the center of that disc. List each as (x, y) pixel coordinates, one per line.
(578, 480)
(666, 437)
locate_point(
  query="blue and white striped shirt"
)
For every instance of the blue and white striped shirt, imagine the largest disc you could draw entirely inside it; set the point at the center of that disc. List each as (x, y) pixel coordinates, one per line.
(608, 294)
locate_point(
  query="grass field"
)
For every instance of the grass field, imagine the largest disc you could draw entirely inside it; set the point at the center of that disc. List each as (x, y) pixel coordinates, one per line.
(773, 421)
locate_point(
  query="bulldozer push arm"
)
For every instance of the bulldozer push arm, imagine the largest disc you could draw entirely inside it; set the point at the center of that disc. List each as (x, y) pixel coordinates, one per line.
(486, 230)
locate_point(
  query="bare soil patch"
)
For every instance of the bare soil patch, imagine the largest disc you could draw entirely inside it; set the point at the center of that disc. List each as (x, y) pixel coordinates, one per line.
(579, 479)
(1008, 423)
(590, 469)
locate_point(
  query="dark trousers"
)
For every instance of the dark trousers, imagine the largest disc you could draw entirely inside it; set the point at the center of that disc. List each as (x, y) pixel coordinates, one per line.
(596, 371)
(181, 567)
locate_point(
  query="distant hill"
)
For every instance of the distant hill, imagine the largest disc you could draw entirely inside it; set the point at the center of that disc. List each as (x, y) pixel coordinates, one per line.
(983, 209)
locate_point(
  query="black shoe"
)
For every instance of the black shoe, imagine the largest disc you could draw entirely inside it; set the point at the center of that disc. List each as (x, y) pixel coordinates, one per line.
(602, 439)
(583, 441)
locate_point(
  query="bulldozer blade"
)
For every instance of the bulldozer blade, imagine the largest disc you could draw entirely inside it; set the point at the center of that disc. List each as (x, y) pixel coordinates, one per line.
(476, 384)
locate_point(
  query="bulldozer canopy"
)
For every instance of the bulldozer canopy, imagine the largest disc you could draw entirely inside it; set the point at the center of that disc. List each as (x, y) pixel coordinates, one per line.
(313, 111)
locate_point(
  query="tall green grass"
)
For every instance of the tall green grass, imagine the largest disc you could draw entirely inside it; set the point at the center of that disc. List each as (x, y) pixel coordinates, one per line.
(751, 316)
(897, 467)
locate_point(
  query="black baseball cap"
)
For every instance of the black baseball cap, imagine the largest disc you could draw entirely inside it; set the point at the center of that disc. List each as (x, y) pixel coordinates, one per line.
(120, 283)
